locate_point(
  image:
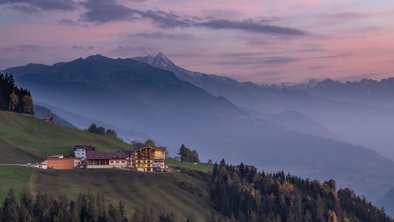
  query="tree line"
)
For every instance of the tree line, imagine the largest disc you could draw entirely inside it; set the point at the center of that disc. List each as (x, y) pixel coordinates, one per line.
(85, 208)
(93, 128)
(188, 155)
(12, 98)
(243, 194)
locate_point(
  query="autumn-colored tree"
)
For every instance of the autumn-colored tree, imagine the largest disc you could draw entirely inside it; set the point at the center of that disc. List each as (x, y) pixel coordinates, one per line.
(332, 216)
(11, 97)
(27, 104)
(14, 101)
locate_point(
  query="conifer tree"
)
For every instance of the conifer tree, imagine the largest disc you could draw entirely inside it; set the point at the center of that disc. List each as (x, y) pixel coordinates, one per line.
(10, 208)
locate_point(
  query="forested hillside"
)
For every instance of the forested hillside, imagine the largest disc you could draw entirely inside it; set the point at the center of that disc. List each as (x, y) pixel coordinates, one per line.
(86, 207)
(13, 98)
(242, 193)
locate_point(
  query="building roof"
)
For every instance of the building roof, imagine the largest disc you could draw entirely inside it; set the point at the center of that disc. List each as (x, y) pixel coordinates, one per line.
(152, 147)
(93, 155)
(86, 147)
(61, 159)
(56, 157)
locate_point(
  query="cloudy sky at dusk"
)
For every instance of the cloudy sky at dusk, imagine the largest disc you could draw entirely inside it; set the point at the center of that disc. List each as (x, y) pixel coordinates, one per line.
(259, 40)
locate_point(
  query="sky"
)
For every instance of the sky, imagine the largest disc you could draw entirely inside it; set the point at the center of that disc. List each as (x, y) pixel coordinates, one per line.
(264, 41)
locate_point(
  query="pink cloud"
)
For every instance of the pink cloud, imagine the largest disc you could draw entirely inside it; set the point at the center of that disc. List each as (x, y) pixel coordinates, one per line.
(338, 48)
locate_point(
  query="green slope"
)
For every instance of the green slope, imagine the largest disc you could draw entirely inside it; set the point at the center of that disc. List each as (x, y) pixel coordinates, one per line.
(13, 154)
(14, 177)
(25, 138)
(203, 167)
(161, 192)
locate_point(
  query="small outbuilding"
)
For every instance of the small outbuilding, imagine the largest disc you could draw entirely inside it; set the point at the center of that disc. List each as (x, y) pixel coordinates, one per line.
(62, 163)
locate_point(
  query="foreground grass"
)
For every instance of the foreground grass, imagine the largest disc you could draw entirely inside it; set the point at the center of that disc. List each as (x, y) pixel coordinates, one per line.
(203, 167)
(24, 138)
(14, 177)
(160, 191)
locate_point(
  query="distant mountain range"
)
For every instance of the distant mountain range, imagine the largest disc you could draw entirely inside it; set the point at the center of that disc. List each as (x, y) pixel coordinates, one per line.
(254, 98)
(351, 111)
(272, 127)
(367, 91)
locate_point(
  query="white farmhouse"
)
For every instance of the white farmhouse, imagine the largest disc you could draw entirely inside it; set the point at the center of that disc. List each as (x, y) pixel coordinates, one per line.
(80, 151)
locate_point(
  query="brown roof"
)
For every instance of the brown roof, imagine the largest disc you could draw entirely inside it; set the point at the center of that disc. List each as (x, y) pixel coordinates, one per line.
(93, 155)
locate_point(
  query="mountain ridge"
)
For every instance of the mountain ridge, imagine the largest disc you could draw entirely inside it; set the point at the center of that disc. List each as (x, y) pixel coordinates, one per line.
(342, 108)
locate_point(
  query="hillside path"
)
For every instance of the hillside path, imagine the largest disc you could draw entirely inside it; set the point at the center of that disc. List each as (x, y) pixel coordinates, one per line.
(14, 164)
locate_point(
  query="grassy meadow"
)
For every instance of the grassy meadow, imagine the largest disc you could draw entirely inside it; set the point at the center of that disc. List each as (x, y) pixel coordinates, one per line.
(27, 139)
(14, 177)
(204, 167)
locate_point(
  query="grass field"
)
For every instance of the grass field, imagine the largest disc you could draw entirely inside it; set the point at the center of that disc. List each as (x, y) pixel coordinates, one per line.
(25, 138)
(13, 154)
(160, 191)
(204, 167)
(14, 177)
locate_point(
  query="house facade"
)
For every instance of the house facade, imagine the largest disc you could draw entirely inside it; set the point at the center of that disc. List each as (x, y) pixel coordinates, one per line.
(80, 151)
(62, 163)
(149, 159)
(96, 159)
